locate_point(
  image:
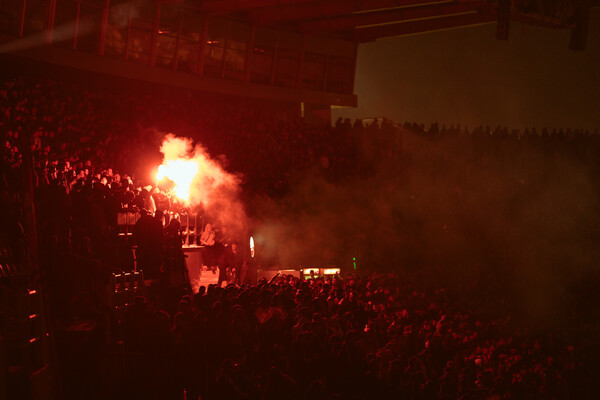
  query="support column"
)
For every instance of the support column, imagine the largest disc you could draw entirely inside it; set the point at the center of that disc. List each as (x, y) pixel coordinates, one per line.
(225, 48)
(324, 87)
(76, 26)
(301, 62)
(154, 44)
(204, 36)
(22, 24)
(176, 60)
(249, 53)
(103, 27)
(51, 15)
(274, 62)
(354, 68)
(128, 31)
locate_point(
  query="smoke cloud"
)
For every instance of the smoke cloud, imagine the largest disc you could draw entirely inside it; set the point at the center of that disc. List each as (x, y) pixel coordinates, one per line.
(204, 184)
(458, 213)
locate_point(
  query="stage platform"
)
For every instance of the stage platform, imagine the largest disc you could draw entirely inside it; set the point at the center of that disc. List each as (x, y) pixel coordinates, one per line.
(198, 273)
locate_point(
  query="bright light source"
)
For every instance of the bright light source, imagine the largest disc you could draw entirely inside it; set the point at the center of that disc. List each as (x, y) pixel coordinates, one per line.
(307, 271)
(182, 172)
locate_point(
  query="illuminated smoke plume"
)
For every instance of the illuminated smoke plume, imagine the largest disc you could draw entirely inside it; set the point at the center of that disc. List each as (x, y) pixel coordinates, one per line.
(201, 182)
(513, 220)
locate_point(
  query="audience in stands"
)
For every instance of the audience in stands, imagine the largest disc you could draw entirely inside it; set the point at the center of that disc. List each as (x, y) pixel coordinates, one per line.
(358, 337)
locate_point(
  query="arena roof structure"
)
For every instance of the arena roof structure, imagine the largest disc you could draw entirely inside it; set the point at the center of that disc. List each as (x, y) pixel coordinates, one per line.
(301, 52)
(359, 20)
(367, 20)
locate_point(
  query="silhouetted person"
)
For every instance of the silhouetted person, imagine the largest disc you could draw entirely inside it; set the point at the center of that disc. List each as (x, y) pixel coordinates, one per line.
(148, 236)
(232, 263)
(207, 239)
(175, 267)
(227, 387)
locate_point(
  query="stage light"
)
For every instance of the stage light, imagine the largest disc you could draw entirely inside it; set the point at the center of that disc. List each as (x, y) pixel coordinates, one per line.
(308, 271)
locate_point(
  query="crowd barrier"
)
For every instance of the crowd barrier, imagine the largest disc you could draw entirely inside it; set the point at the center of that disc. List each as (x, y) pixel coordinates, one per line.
(125, 287)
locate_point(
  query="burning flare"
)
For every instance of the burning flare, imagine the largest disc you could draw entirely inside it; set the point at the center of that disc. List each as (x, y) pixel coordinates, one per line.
(182, 172)
(196, 177)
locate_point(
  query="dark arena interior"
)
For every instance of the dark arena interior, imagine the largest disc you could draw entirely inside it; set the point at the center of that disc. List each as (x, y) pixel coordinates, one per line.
(299, 199)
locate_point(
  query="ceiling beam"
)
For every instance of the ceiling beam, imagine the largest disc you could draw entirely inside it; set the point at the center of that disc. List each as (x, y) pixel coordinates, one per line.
(420, 26)
(229, 6)
(378, 18)
(539, 20)
(325, 9)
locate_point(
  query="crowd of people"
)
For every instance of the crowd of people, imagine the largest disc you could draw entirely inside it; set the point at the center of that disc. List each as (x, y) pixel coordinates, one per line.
(119, 129)
(356, 337)
(369, 336)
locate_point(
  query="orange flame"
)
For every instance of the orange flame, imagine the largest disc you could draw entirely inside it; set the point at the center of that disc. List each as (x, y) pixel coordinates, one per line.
(182, 172)
(196, 176)
(181, 165)
(199, 179)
